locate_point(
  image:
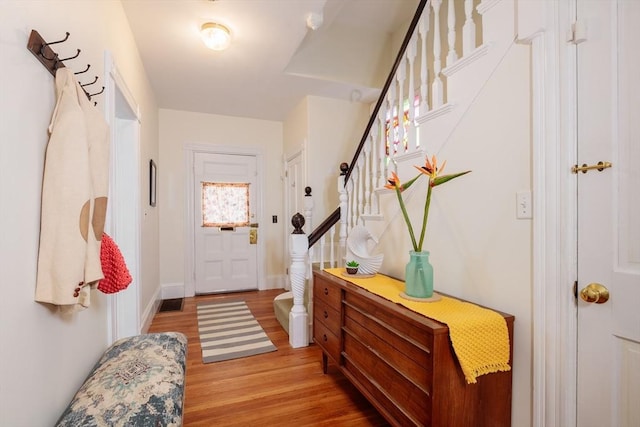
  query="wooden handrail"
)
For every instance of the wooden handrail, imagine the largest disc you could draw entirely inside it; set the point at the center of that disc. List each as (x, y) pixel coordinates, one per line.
(326, 225)
(387, 84)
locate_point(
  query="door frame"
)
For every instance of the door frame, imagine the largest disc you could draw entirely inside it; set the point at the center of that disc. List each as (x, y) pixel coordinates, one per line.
(190, 149)
(544, 25)
(299, 152)
(123, 216)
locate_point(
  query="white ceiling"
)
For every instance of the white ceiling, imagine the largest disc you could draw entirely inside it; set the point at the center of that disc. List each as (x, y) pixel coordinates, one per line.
(274, 59)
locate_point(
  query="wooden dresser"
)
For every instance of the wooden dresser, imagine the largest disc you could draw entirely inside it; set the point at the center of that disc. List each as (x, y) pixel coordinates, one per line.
(403, 362)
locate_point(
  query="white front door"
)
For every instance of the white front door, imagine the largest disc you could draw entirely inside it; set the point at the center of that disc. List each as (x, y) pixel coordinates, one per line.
(608, 382)
(224, 225)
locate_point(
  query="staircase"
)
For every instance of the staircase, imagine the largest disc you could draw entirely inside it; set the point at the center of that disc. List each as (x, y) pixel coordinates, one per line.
(450, 52)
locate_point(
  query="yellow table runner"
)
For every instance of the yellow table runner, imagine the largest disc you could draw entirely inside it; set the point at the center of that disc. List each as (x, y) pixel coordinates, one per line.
(479, 336)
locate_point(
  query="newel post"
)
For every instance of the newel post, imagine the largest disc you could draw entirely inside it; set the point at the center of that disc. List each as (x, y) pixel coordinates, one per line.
(298, 317)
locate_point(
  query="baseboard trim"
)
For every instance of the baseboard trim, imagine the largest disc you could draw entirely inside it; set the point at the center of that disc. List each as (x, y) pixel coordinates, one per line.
(172, 290)
(149, 312)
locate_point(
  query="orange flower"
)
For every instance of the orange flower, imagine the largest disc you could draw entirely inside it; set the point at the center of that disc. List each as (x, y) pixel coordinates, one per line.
(436, 178)
(431, 169)
(393, 182)
(435, 174)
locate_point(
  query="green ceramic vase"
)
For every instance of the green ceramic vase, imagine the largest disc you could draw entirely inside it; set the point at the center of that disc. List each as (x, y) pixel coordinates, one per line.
(419, 275)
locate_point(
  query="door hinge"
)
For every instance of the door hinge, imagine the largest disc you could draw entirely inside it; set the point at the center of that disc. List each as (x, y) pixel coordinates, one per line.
(575, 289)
(577, 33)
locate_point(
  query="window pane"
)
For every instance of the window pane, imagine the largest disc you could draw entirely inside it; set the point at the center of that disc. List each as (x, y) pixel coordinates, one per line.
(392, 124)
(225, 204)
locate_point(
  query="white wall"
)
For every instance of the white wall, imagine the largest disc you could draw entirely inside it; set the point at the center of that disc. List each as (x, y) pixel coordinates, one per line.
(45, 356)
(335, 130)
(178, 128)
(295, 128)
(479, 250)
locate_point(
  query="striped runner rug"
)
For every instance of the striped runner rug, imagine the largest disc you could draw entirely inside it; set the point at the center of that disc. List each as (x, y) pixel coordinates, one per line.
(228, 330)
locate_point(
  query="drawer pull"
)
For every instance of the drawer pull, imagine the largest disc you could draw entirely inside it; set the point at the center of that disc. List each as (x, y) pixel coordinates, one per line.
(324, 337)
(326, 315)
(326, 291)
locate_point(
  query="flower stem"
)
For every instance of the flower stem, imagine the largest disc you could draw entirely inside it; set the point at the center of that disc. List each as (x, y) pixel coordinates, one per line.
(425, 217)
(406, 218)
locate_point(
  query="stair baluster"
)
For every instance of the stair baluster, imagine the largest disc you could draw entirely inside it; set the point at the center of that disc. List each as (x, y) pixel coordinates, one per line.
(366, 210)
(402, 74)
(452, 56)
(437, 96)
(469, 29)
(423, 28)
(412, 51)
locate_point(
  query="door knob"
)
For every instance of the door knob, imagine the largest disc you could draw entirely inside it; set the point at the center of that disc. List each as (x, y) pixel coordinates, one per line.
(595, 292)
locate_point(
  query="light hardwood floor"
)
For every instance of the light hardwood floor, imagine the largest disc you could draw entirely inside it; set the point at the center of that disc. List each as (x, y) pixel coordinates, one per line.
(281, 388)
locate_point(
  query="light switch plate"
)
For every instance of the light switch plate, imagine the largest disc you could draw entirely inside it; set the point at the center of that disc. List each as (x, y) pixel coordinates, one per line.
(524, 209)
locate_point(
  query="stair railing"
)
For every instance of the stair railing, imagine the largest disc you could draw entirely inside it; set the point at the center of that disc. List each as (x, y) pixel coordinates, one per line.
(413, 94)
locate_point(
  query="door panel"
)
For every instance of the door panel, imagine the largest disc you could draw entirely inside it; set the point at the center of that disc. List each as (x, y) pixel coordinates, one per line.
(226, 259)
(608, 389)
(295, 187)
(294, 199)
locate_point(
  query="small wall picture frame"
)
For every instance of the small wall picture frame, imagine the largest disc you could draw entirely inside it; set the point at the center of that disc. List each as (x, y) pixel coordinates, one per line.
(153, 172)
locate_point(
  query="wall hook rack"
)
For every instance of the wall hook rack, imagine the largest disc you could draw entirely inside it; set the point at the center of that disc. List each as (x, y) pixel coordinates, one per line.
(49, 58)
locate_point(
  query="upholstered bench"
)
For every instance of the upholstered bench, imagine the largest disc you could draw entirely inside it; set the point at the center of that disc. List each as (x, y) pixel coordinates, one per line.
(139, 381)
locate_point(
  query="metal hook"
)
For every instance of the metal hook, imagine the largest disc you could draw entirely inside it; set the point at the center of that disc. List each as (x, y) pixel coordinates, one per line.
(71, 57)
(97, 93)
(49, 44)
(87, 69)
(87, 84)
(59, 41)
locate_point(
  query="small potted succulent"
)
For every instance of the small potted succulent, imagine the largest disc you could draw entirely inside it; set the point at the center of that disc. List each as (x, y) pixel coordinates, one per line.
(352, 267)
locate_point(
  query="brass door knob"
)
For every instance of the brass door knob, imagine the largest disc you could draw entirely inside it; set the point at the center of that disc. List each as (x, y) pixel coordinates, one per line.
(595, 292)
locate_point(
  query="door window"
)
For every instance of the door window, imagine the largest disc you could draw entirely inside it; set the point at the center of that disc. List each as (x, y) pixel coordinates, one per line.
(225, 204)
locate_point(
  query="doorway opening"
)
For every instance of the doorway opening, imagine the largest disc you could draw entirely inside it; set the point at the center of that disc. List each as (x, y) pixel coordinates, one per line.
(123, 212)
(219, 257)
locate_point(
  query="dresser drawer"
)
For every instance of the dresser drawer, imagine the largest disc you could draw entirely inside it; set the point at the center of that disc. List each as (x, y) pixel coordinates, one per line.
(383, 379)
(326, 339)
(402, 325)
(389, 405)
(329, 316)
(402, 354)
(327, 292)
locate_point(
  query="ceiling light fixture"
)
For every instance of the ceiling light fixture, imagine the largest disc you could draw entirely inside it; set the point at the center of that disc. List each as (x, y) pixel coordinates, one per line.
(215, 36)
(314, 20)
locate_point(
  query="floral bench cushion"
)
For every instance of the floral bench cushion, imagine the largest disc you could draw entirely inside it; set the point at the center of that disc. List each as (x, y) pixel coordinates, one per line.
(139, 381)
